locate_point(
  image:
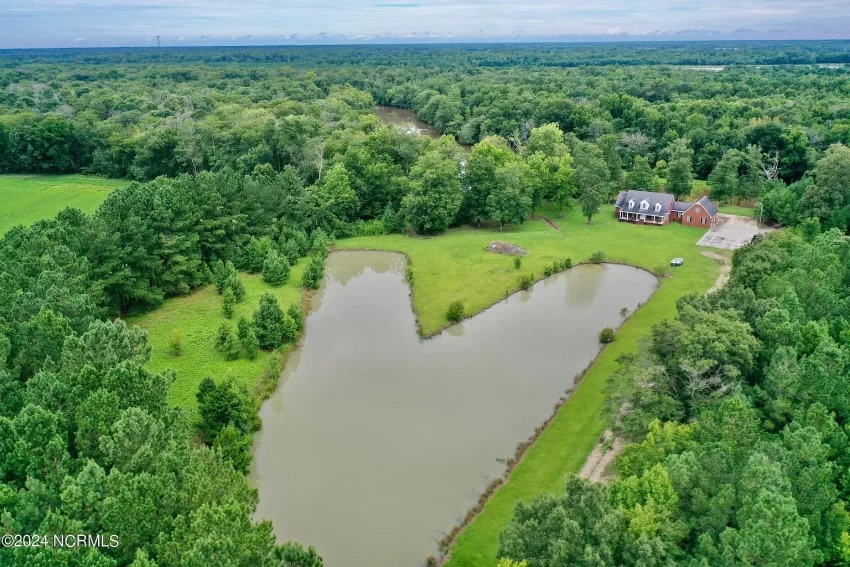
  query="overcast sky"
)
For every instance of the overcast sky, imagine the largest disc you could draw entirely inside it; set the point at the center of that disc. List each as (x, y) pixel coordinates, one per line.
(61, 23)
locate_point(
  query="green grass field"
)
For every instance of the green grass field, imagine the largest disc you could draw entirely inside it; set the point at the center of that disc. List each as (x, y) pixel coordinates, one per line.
(457, 266)
(196, 319)
(30, 198)
(748, 212)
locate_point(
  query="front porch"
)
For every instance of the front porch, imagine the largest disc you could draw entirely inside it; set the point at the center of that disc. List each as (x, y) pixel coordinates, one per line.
(642, 218)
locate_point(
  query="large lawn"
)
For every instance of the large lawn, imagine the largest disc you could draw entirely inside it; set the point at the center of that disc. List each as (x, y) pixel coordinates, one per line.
(457, 266)
(25, 199)
(196, 319)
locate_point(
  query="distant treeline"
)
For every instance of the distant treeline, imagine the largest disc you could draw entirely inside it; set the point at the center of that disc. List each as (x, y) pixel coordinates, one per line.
(465, 54)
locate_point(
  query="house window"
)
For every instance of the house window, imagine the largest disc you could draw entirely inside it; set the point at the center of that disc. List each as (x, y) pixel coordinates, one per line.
(657, 207)
(697, 210)
(689, 218)
(703, 220)
(632, 204)
(644, 205)
(680, 214)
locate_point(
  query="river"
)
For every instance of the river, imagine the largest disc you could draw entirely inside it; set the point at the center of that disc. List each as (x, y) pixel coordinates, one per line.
(377, 442)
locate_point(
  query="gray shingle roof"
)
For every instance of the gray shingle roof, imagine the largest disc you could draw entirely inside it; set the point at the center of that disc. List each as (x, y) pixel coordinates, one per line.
(710, 207)
(681, 205)
(637, 197)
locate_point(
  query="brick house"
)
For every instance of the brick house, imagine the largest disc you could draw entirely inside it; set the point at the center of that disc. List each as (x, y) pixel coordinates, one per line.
(647, 207)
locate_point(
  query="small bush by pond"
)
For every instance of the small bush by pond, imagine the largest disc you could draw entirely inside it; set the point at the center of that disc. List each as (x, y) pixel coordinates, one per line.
(526, 281)
(517, 262)
(606, 335)
(455, 311)
(598, 257)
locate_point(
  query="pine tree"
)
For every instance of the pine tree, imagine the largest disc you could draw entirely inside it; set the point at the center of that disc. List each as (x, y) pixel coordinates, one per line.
(295, 312)
(229, 301)
(275, 269)
(269, 322)
(290, 329)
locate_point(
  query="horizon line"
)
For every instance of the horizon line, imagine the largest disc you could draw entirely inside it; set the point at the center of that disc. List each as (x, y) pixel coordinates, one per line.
(435, 42)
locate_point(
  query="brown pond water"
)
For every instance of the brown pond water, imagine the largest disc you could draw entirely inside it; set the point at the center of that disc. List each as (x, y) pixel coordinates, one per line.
(406, 120)
(409, 122)
(377, 442)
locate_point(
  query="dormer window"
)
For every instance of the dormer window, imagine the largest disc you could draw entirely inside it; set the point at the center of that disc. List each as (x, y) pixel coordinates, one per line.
(697, 210)
(631, 203)
(657, 207)
(644, 205)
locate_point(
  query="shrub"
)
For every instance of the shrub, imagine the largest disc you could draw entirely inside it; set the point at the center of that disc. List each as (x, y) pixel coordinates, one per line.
(320, 243)
(567, 264)
(226, 342)
(314, 272)
(290, 329)
(606, 335)
(235, 284)
(455, 311)
(175, 345)
(291, 250)
(268, 322)
(220, 405)
(223, 272)
(661, 271)
(598, 257)
(547, 271)
(234, 446)
(255, 254)
(275, 268)
(229, 301)
(251, 344)
(526, 281)
(624, 312)
(517, 262)
(295, 312)
(409, 275)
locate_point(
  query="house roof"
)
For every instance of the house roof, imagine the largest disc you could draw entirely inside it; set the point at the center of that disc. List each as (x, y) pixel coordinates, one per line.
(710, 207)
(625, 197)
(705, 202)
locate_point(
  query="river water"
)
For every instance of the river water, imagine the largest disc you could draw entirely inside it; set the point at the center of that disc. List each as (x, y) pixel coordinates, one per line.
(377, 442)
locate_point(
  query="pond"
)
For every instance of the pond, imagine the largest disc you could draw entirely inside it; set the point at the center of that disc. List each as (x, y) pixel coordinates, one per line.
(377, 442)
(409, 122)
(405, 119)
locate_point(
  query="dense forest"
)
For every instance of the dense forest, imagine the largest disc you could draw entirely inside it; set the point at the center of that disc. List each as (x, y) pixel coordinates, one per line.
(248, 159)
(753, 130)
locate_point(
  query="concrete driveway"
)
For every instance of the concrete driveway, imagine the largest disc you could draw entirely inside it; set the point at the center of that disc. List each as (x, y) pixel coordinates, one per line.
(731, 232)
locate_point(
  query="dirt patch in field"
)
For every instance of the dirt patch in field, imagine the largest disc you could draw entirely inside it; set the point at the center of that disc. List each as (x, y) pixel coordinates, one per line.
(596, 466)
(506, 248)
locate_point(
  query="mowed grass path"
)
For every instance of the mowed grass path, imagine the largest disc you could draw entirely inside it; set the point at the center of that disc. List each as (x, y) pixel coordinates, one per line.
(457, 266)
(25, 199)
(196, 319)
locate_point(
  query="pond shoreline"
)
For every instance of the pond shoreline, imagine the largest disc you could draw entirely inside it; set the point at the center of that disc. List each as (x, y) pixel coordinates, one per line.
(447, 542)
(285, 487)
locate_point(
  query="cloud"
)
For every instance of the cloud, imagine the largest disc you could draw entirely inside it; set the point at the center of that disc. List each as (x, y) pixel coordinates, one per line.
(43, 23)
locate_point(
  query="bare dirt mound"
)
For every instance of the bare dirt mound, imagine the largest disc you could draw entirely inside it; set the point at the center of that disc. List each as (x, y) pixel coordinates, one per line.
(505, 248)
(596, 466)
